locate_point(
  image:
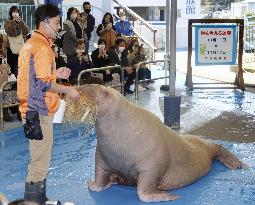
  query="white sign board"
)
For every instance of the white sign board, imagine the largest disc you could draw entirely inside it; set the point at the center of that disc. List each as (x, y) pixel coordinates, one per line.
(215, 44)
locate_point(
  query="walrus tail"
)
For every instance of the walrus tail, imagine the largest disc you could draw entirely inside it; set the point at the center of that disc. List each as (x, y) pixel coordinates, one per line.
(229, 159)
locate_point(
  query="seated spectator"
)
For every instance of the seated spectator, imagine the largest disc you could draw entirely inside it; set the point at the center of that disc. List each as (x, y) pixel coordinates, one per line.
(123, 26)
(118, 55)
(132, 50)
(100, 59)
(106, 30)
(73, 32)
(78, 62)
(143, 71)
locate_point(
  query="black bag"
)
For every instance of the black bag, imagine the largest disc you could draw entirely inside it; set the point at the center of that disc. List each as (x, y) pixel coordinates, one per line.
(32, 127)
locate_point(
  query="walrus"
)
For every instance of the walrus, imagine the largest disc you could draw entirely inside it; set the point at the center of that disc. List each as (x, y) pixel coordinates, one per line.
(135, 148)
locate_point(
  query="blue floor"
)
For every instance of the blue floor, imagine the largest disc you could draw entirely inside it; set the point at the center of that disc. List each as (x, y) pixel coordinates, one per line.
(73, 166)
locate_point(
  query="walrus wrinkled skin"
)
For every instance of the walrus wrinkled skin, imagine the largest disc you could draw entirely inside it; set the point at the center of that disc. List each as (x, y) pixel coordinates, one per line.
(135, 148)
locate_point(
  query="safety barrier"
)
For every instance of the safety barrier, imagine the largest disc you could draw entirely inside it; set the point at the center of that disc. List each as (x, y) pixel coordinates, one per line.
(106, 68)
(2, 106)
(137, 82)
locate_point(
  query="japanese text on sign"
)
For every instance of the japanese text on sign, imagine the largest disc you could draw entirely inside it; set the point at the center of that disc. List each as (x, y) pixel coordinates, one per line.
(215, 45)
(190, 7)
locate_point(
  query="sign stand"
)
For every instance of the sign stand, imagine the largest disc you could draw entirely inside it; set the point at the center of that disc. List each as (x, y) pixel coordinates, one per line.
(239, 80)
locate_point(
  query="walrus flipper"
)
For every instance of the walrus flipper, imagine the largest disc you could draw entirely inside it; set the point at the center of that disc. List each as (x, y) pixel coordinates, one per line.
(102, 175)
(147, 191)
(229, 159)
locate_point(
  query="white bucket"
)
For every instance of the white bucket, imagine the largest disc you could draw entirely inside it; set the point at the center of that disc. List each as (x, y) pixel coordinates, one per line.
(59, 115)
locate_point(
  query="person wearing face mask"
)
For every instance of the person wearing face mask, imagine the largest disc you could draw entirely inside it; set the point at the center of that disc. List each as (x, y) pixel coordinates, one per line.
(118, 56)
(123, 26)
(87, 22)
(100, 59)
(73, 32)
(38, 96)
(13, 27)
(78, 62)
(106, 30)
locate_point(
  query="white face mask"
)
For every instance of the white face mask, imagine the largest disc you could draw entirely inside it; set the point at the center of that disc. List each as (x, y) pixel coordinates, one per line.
(121, 49)
(101, 47)
(80, 52)
(73, 16)
(15, 14)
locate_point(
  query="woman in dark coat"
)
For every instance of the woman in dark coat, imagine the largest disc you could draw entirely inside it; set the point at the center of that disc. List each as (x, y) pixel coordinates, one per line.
(100, 59)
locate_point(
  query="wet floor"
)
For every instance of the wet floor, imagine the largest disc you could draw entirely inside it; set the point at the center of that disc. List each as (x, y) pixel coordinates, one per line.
(203, 113)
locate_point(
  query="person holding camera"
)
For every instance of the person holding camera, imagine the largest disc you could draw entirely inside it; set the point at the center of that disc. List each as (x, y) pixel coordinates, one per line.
(100, 59)
(106, 31)
(78, 62)
(38, 95)
(17, 32)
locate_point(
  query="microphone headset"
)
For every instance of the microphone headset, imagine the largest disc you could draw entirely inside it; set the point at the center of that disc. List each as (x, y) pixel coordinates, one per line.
(52, 31)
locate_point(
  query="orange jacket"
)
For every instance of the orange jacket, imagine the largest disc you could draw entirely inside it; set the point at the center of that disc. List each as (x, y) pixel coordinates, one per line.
(36, 72)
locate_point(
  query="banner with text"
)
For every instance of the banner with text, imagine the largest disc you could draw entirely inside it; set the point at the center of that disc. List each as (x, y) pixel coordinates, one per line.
(215, 44)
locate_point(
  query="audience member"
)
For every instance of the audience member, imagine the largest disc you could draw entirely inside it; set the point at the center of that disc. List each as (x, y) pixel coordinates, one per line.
(78, 62)
(123, 26)
(100, 59)
(143, 71)
(87, 22)
(132, 50)
(17, 32)
(118, 55)
(60, 61)
(73, 32)
(106, 30)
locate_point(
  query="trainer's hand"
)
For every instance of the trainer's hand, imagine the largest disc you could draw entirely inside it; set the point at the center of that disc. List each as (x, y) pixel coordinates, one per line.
(63, 73)
(73, 93)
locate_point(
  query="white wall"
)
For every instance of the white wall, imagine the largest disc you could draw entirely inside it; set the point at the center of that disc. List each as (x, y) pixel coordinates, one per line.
(182, 22)
(143, 3)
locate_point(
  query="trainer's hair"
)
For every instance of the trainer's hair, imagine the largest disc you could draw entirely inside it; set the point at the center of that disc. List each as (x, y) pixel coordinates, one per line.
(44, 12)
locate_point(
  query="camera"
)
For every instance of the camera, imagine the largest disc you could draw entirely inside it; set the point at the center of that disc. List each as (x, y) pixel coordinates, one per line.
(32, 127)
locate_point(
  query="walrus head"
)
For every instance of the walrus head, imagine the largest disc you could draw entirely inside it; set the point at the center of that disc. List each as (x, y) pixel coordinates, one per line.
(93, 99)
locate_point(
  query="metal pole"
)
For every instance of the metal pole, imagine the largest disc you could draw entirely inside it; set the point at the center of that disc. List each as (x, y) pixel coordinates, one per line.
(167, 55)
(172, 71)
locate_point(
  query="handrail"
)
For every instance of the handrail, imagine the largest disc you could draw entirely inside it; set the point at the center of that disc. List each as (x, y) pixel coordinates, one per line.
(141, 81)
(104, 68)
(2, 104)
(135, 15)
(154, 48)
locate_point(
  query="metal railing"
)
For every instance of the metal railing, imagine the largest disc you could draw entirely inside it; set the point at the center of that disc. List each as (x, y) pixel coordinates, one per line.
(145, 32)
(2, 106)
(249, 43)
(137, 82)
(105, 68)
